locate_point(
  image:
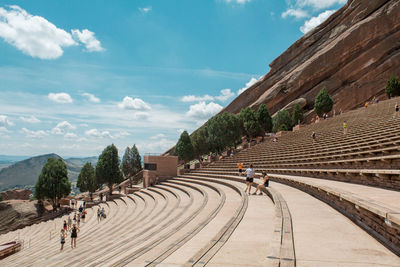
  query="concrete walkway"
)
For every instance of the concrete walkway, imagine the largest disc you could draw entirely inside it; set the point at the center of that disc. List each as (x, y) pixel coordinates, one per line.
(324, 237)
(383, 197)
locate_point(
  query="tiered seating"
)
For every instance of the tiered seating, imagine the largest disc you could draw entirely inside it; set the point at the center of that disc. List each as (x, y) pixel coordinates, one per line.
(369, 154)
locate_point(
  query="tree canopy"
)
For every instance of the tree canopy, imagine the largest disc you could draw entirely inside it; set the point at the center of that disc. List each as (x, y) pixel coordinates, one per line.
(108, 167)
(200, 142)
(264, 118)
(282, 118)
(87, 180)
(323, 102)
(131, 162)
(297, 115)
(393, 87)
(184, 147)
(251, 126)
(53, 182)
(224, 130)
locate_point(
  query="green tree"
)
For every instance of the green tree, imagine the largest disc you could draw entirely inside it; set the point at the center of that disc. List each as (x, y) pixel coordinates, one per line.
(250, 124)
(53, 182)
(233, 131)
(184, 147)
(283, 117)
(283, 127)
(264, 118)
(323, 102)
(107, 168)
(224, 130)
(200, 142)
(87, 180)
(297, 115)
(393, 87)
(131, 162)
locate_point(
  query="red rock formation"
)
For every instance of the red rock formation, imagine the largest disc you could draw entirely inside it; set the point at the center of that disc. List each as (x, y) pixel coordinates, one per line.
(22, 194)
(353, 53)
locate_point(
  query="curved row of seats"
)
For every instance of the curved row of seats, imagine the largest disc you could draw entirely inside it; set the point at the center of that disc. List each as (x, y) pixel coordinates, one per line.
(185, 220)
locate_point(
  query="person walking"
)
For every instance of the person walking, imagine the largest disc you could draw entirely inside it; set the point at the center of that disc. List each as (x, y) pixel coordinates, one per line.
(98, 215)
(249, 178)
(78, 219)
(314, 137)
(264, 184)
(74, 235)
(396, 109)
(240, 168)
(65, 225)
(344, 127)
(63, 235)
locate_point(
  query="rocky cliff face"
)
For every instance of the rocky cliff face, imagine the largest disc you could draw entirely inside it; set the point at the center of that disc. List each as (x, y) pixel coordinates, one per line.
(353, 53)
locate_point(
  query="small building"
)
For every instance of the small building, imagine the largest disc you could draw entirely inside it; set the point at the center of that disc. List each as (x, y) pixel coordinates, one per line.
(158, 168)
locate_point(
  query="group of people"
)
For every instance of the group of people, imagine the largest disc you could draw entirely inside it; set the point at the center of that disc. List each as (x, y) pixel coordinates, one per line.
(72, 225)
(250, 176)
(101, 214)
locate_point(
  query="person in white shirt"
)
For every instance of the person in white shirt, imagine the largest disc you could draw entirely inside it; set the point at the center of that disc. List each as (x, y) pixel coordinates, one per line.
(249, 178)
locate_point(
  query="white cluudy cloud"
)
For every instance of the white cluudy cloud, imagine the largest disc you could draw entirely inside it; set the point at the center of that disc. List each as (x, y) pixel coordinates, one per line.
(96, 133)
(297, 13)
(88, 39)
(315, 21)
(37, 37)
(248, 84)
(145, 9)
(203, 111)
(34, 134)
(91, 97)
(62, 127)
(133, 104)
(70, 136)
(5, 122)
(60, 97)
(319, 4)
(31, 119)
(225, 95)
(193, 98)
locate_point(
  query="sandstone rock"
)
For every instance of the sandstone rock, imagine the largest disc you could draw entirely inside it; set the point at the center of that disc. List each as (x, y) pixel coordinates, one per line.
(289, 107)
(353, 53)
(22, 194)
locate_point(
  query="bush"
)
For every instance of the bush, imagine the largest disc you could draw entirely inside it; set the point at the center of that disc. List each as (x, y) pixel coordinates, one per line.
(283, 127)
(283, 117)
(393, 87)
(297, 115)
(323, 102)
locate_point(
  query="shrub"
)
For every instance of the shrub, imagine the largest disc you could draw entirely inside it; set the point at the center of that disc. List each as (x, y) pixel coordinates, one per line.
(323, 102)
(283, 117)
(283, 127)
(393, 87)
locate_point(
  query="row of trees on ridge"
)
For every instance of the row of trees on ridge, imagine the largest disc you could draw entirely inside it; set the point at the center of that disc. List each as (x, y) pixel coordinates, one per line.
(53, 181)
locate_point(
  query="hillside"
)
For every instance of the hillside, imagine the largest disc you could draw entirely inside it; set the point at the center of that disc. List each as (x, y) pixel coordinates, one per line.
(353, 53)
(25, 173)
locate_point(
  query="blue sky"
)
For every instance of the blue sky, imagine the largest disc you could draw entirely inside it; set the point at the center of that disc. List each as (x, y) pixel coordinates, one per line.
(76, 76)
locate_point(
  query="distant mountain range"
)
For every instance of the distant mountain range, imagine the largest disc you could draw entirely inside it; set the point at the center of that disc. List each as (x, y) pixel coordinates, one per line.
(24, 173)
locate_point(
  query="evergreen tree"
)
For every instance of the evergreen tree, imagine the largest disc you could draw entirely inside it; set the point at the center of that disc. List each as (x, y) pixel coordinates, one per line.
(297, 115)
(233, 131)
(250, 124)
(87, 180)
(131, 162)
(282, 118)
(323, 102)
(264, 119)
(184, 147)
(393, 87)
(108, 167)
(53, 182)
(216, 130)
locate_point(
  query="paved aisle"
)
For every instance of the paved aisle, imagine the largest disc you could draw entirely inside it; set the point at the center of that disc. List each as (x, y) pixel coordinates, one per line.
(248, 245)
(324, 237)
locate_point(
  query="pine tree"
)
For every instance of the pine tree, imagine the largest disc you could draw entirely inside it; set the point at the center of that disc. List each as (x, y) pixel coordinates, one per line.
(108, 167)
(393, 87)
(264, 118)
(297, 115)
(87, 180)
(323, 102)
(184, 147)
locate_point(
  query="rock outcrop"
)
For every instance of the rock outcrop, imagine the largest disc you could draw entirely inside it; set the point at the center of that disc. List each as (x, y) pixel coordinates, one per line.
(353, 53)
(22, 194)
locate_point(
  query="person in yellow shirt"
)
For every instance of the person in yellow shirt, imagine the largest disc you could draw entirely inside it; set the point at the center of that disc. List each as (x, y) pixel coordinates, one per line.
(344, 127)
(240, 168)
